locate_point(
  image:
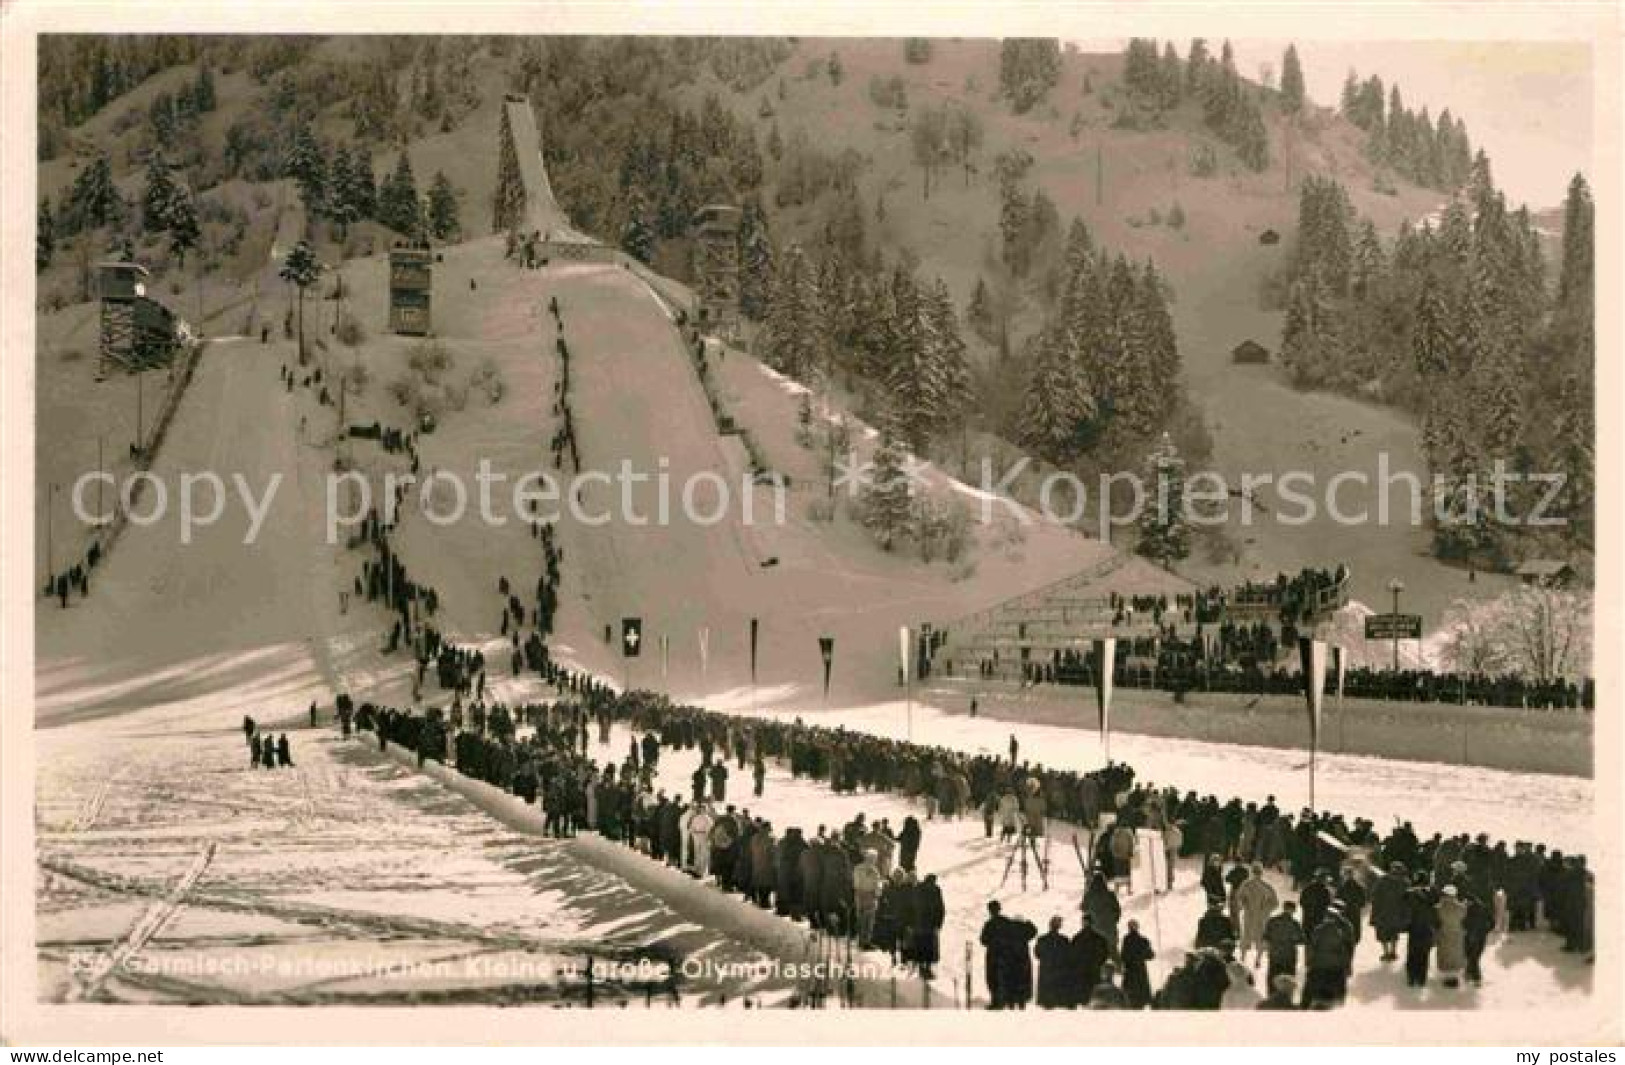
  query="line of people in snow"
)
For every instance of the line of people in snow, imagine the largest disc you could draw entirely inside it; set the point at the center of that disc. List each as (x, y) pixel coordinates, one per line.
(265, 751)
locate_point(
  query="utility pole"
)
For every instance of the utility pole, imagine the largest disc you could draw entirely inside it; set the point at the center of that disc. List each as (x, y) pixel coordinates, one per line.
(1396, 586)
(50, 543)
(1100, 174)
(101, 471)
(140, 443)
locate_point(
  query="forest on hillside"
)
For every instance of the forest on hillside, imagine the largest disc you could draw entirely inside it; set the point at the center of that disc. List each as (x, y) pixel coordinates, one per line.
(1464, 325)
(1064, 346)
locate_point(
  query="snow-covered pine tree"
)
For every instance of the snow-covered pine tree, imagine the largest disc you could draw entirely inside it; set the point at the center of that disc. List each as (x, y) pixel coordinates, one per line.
(343, 195)
(398, 204)
(44, 235)
(442, 208)
(184, 230)
(793, 333)
(1058, 403)
(1164, 526)
(950, 363)
(159, 196)
(756, 262)
(886, 501)
(916, 397)
(307, 165)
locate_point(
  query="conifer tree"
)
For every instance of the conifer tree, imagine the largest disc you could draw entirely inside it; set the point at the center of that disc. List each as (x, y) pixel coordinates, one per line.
(203, 94)
(1014, 220)
(793, 332)
(342, 195)
(1164, 525)
(1576, 272)
(308, 167)
(159, 196)
(979, 314)
(951, 364)
(94, 200)
(1058, 407)
(398, 205)
(442, 209)
(1292, 94)
(184, 231)
(886, 500)
(44, 235)
(756, 262)
(637, 237)
(300, 269)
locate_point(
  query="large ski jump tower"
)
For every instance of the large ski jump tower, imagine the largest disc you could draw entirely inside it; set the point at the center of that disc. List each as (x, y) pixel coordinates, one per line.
(523, 201)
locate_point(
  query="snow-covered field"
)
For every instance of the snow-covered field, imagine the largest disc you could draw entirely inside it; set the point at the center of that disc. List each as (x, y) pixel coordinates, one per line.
(345, 879)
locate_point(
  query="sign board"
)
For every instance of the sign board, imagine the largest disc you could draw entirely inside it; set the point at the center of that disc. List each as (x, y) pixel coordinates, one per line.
(1393, 627)
(631, 636)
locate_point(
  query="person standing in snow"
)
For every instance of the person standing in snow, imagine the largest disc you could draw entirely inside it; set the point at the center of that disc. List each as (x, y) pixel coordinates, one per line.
(1452, 936)
(1254, 901)
(866, 884)
(1136, 952)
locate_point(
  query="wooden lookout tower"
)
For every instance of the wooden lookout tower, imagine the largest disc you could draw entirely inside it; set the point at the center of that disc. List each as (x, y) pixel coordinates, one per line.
(716, 266)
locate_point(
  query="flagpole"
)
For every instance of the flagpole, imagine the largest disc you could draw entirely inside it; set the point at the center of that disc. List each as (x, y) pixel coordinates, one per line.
(1314, 745)
(1312, 655)
(754, 627)
(905, 650)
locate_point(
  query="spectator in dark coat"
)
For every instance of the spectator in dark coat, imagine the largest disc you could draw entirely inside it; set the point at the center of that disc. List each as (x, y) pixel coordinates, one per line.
(1058, 986)
(1421, 930)
(1209, 980)
(1314, 900)
(1331, 946)
(1389, 913)
(908, 843)
(1091, 951)
(929, 915)
(1136, 952)
(1214, 927)
(835, 887)
(1283, 935)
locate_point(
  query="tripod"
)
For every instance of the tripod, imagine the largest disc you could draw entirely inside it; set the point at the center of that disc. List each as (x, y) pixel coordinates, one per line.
(1024, 845)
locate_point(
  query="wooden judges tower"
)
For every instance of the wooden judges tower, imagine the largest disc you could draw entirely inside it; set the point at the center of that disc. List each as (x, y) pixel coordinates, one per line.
(716, 266)
(137, 333)
(410, 282)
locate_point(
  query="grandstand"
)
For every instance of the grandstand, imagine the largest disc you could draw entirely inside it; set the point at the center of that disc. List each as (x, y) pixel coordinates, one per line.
(1130, 599)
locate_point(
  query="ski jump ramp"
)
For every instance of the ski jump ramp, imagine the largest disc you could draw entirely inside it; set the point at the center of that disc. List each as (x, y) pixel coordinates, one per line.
(524, 196)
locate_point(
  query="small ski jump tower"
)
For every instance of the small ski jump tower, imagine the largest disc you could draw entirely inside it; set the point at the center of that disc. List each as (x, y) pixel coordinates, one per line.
(716, 267)
(410, 283)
